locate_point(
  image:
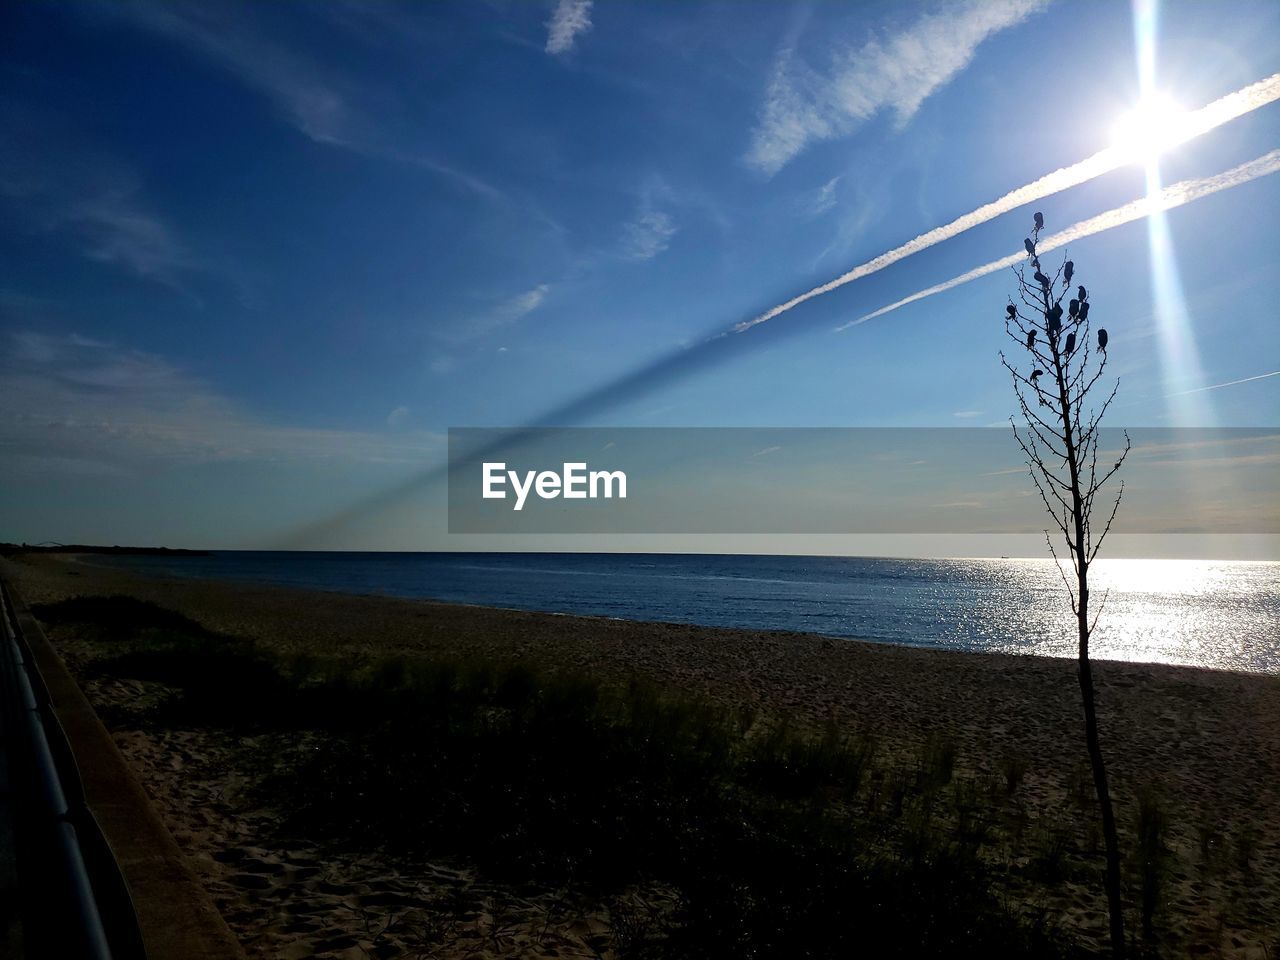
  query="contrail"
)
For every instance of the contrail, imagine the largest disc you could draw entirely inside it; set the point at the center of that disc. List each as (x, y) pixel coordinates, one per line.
(1229, 383)
(683, 361)
(1175, 195)
(1193, 124)
(1212, 386)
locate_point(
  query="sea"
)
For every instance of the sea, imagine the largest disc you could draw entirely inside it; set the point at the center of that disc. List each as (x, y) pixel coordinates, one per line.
(1217, 614)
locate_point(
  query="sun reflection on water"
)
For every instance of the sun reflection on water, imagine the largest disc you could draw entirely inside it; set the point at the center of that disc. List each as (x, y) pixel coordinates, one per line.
(1205, 613)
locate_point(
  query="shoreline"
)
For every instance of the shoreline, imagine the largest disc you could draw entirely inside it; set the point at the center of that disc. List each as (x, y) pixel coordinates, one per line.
(1208, 739)
(88, 560)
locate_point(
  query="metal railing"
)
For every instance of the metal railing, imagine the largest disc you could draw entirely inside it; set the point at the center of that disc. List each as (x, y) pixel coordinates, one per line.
(74, 899)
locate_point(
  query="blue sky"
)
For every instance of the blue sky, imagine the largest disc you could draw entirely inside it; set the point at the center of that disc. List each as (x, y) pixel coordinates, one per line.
(256, 259)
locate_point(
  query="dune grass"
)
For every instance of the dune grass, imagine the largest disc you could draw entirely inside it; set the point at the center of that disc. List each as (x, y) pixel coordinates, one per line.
(776, 840)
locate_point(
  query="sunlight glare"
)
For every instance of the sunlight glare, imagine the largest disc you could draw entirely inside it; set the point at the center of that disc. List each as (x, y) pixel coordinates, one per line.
(1154, 125)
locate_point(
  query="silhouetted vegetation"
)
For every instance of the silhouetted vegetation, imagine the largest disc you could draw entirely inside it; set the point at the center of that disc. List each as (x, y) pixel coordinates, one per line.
(775, 840)
(1061, 439)
(120, 617)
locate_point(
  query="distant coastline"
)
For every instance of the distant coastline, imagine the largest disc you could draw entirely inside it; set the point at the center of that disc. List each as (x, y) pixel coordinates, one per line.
(11, 549)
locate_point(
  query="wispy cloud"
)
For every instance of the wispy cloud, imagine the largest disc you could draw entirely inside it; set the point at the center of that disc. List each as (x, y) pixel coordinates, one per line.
(443, 364)
(822, 199)
(484, 322)
(116, 229)
(103, 408)
(648, 235)
(896, 72)
(315, 99)
(521, 305)
(304, 95)
(77, 192)
(1176, 195)
(1194, 124)
(967, 414)
(571, 19)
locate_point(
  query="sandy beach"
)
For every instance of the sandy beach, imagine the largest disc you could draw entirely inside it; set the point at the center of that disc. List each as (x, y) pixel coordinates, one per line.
(1208, 741)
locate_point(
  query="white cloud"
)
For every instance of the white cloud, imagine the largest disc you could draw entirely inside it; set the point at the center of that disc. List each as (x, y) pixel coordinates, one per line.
(520, 305)
(967, 414)
(76, 191)
(648, 234)
(72, 400)
(570, 19)
(897, 73)
(502, 315)
(314, 98)
(397, 416)
(824, 198)
(116, 230)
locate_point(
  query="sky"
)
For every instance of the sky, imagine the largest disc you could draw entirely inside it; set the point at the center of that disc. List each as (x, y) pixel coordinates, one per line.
(256, 260)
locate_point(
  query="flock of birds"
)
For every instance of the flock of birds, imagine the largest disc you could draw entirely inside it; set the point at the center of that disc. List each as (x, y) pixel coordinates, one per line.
(1077, 308)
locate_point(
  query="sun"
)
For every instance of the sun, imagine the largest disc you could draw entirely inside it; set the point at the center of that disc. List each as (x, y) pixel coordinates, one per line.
(1154, 125)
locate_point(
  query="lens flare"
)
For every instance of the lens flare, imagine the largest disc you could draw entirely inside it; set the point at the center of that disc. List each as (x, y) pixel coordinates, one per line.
(1154, 125)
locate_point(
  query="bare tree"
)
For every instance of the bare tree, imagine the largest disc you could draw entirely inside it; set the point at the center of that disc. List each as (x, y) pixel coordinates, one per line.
(1060, 438)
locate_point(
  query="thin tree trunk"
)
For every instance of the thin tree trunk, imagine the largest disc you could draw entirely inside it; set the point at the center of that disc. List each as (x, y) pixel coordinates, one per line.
(1074, 447)
(1115, 907)
(1112, 843)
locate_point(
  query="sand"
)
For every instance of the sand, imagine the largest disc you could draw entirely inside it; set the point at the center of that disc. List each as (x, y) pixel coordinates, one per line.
(1209, 740)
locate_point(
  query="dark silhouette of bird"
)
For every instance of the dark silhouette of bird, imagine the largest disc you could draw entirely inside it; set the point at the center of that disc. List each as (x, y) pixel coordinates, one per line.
(1039, 218)
(1082, 294)
(1041, 279)
(1102, 339)
(1074, 308)
(1084, 311)
(1031, 339)
(1035, 374)
(1012, 311)
(1068, 269)
(1031, 247)
(1071, 343)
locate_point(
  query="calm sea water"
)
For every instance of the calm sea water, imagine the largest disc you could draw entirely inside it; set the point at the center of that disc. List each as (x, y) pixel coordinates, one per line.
(1202, 613)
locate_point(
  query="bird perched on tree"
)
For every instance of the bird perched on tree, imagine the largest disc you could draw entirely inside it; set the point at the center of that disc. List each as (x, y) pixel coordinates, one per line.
(1071, 343)
(1031, 247)
(1012, 311)
(1031, 339)
(1035, 374)
(1039, 219)
(1082, 294)
(1084, 311)
(1068, 269)
(1102, 339)
(1055, 320)
(1074, 308)
(1041, 279)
